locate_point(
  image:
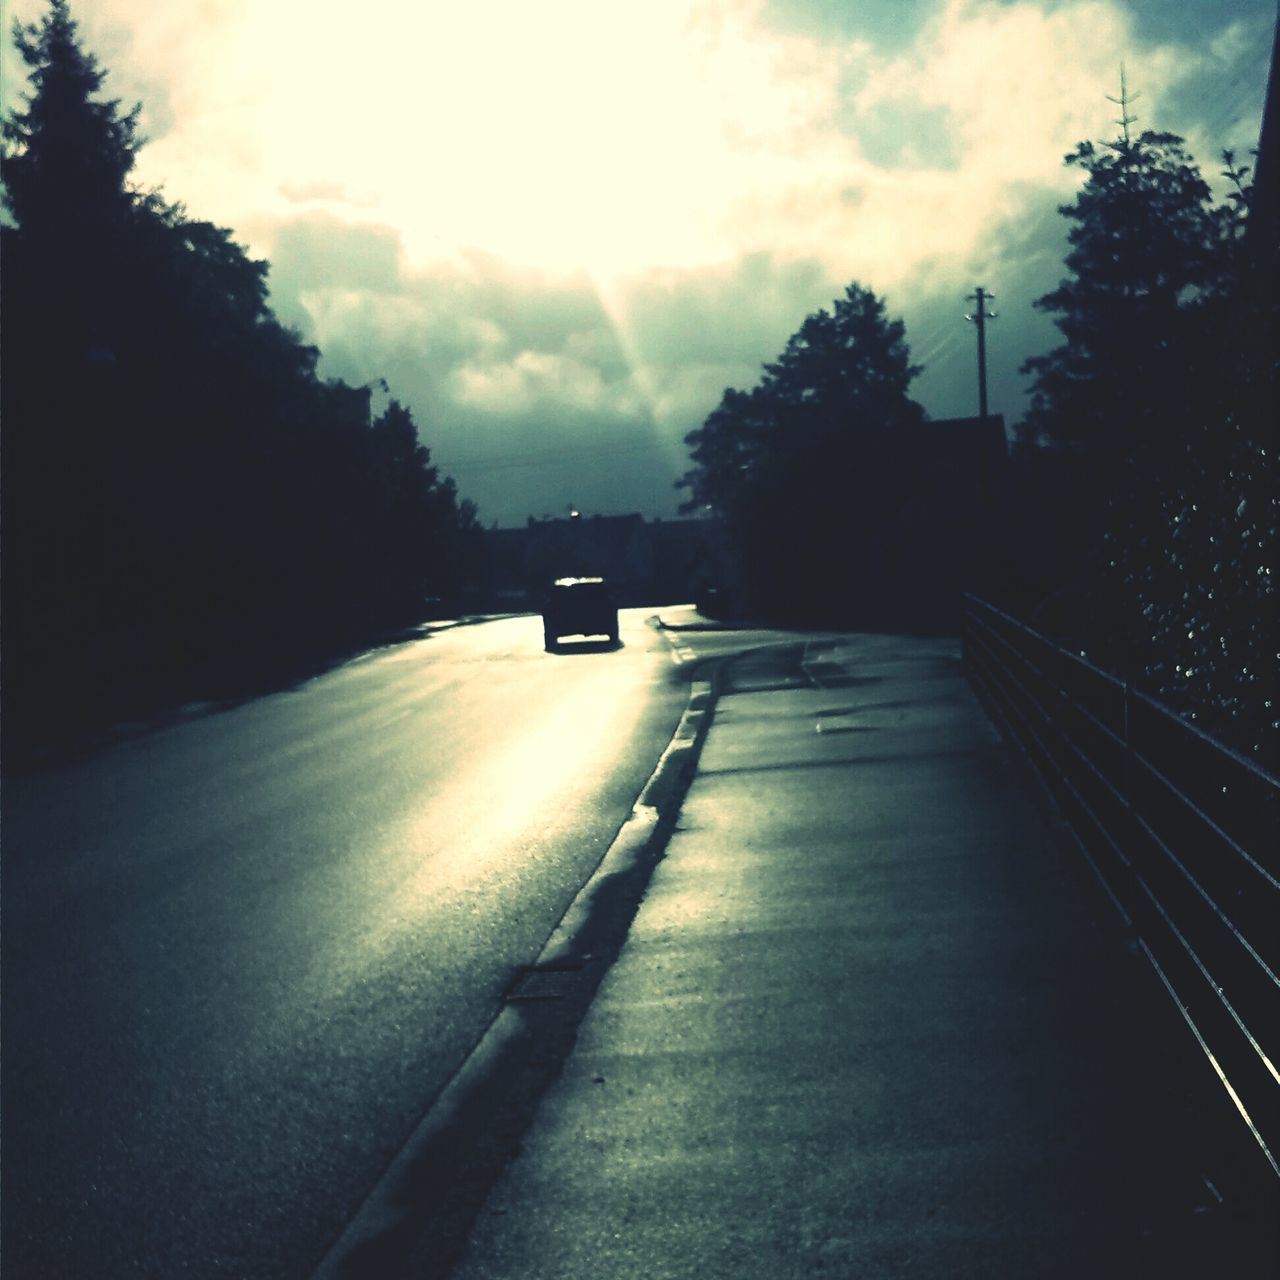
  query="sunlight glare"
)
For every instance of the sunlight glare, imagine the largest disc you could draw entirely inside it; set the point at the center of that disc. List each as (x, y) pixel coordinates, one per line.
(566, 135)
(492, 813)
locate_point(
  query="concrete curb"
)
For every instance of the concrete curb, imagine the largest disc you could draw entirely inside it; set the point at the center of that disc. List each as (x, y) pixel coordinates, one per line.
(386, 1235)
(709, 624)
(645, 832)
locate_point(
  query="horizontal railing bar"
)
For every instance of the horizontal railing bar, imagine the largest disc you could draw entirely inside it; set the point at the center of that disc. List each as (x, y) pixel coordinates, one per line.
(1067, 742)
(1249, 766)
(1075, 748)
(1209, 979)
(1209, 900)
(1098, 873)
(1105, 676)
(1180, 1004)
(1209, 822)
(1034, 686)
(1065, 779)
(1117, 738)
(1018, 656)
(1140, 757)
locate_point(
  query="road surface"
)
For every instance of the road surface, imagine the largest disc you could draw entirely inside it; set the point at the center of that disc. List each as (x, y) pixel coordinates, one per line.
(243, 954)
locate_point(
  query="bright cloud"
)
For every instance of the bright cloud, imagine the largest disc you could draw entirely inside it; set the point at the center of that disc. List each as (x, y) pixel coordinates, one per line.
(560, 229)
(541, 380)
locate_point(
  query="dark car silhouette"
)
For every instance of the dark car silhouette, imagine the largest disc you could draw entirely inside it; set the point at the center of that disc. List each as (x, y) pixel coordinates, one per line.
(579, 607)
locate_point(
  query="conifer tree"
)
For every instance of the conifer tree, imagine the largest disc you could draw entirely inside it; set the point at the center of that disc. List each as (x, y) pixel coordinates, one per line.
(68, 156)
(187, 502)
(1146, 251)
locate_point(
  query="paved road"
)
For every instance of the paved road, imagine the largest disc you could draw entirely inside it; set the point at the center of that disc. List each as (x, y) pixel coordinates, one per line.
(241, 955)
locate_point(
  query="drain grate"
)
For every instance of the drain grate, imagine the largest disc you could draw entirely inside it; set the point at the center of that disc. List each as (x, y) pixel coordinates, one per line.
(546, 982)
(831, 675)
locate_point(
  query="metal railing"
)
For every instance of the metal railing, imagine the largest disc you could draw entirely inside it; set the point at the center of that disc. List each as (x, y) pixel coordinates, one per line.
(1182, 833)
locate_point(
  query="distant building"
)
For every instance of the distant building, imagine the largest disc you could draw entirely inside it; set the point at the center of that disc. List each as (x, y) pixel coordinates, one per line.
(939, 540)
(657, 562)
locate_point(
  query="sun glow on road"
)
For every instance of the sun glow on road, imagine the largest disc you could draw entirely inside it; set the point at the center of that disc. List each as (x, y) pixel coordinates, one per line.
(498, 813)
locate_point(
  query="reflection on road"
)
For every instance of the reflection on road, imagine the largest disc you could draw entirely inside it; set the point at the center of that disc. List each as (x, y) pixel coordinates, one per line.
(499, 804)
(243, 954)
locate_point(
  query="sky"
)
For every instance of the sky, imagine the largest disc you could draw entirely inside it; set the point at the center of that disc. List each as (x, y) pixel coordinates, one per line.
(559, 229)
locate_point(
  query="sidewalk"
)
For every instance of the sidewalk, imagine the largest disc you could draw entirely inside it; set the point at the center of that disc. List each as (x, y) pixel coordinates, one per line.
(865, 1024)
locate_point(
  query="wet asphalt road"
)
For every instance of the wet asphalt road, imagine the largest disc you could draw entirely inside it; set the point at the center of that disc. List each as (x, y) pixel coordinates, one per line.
(241, 955)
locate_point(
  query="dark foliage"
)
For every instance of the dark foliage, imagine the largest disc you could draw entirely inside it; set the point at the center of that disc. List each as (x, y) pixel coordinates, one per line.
(188, 506)
(1149, 252)
(807, 468)
(1148, 463)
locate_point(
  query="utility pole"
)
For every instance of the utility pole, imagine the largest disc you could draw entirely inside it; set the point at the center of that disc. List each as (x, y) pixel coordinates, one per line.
(980, 318)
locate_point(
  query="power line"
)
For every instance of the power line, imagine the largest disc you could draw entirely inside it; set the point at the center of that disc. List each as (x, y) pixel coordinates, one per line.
(545, 458)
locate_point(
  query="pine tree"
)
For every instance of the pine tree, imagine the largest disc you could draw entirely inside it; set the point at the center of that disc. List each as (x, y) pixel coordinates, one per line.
(68, 156)
(1146, 251)
(186, 500)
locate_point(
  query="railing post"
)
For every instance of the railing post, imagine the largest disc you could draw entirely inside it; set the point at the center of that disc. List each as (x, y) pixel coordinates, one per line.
(1130, 825)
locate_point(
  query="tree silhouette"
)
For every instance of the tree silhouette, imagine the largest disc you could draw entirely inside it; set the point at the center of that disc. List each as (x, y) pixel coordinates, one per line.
(67, 160)
(807, 467)
(1149, 451)
(1147, 249)
(187, 503)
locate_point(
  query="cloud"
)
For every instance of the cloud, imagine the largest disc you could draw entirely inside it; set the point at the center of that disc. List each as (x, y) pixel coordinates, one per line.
(517, 378)
(561, 230)
(544, 381)
(328, 252)
(527, 382)
(898, 169)
(326, 191)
